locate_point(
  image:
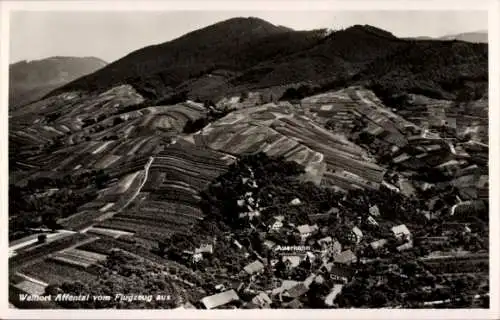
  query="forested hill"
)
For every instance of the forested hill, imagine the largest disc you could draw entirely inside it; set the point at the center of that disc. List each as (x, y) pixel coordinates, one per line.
(248, 53)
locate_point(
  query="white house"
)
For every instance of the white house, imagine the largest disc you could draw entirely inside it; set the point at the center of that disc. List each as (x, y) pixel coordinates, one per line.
(374, 211)
(205, 248)
(197, 257)
(358, 233)
(372, 221)
(378, 244)
(401, 232)
(306, 231)
(277, 225)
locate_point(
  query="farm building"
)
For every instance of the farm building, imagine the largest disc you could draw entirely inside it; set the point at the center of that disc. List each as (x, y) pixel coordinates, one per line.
(401, 232)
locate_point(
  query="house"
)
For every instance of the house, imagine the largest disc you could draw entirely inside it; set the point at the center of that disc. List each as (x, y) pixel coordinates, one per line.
(253, 213)
(336, 247)
(325, 242)
(262, 300)
(197, 257)
(405, 246)
(241, 202)
(296, 291)
(306, 231)
(236, 242)
(401, 232)
(338, 272)
(220, 287)
(295, 202)
(334, 211)
(220, 299)
(311, 256)
(374, 211)
(285, 285)
(292, 261)
(319, 279)
(358, 233)
(346, 257)
(319, 217)
(254, 267)
(205, 248)
(277, 225)
(372, 221)
(269, 244)
(378, 244)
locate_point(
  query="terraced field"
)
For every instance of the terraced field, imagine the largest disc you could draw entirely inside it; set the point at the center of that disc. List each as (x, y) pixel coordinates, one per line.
(78, 258)
(171, 192)
(279, 131)
(56, 272)
(40, 252)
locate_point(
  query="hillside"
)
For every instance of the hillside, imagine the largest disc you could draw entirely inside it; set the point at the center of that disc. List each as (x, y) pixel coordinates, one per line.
(319, 170)
(475, 37)
(232, 45)
(31, 80)
(241, 54)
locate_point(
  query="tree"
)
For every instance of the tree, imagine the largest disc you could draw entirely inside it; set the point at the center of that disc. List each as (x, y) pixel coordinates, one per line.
(378, 299)
(42, 238)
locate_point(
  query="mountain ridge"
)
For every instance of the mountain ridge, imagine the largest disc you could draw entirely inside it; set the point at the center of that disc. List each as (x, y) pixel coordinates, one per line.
(253, 53)
(30, 80)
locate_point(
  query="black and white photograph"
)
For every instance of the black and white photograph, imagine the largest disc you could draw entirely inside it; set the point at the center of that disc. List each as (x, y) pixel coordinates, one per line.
(253, 158)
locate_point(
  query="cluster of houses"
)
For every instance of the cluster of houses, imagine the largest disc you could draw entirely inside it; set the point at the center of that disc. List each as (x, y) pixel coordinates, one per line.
(327, 261)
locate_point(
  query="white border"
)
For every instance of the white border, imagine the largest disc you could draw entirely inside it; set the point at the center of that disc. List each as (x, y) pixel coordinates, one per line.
(278, 5)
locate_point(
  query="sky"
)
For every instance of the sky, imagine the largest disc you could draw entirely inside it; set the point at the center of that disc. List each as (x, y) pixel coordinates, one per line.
(112, 35)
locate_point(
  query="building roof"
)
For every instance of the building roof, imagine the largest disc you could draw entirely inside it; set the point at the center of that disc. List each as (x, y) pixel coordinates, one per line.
(306, 229)
(405, 246)
(262, 299)
(319, 279)
(285, 285)
(254, 267)
(345, 257)
(374, 211)
(401, 229)
(341, 271)
(219, 299)
(205, 248)
(325, 240)
(337, 246)
(357, 232)
(372, 220)
(294, 260)
(378, 243)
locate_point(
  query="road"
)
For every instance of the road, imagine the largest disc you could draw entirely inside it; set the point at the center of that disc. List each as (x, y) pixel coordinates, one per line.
(30, 241)
(136, 193)
(146, 172)
(32, 279)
